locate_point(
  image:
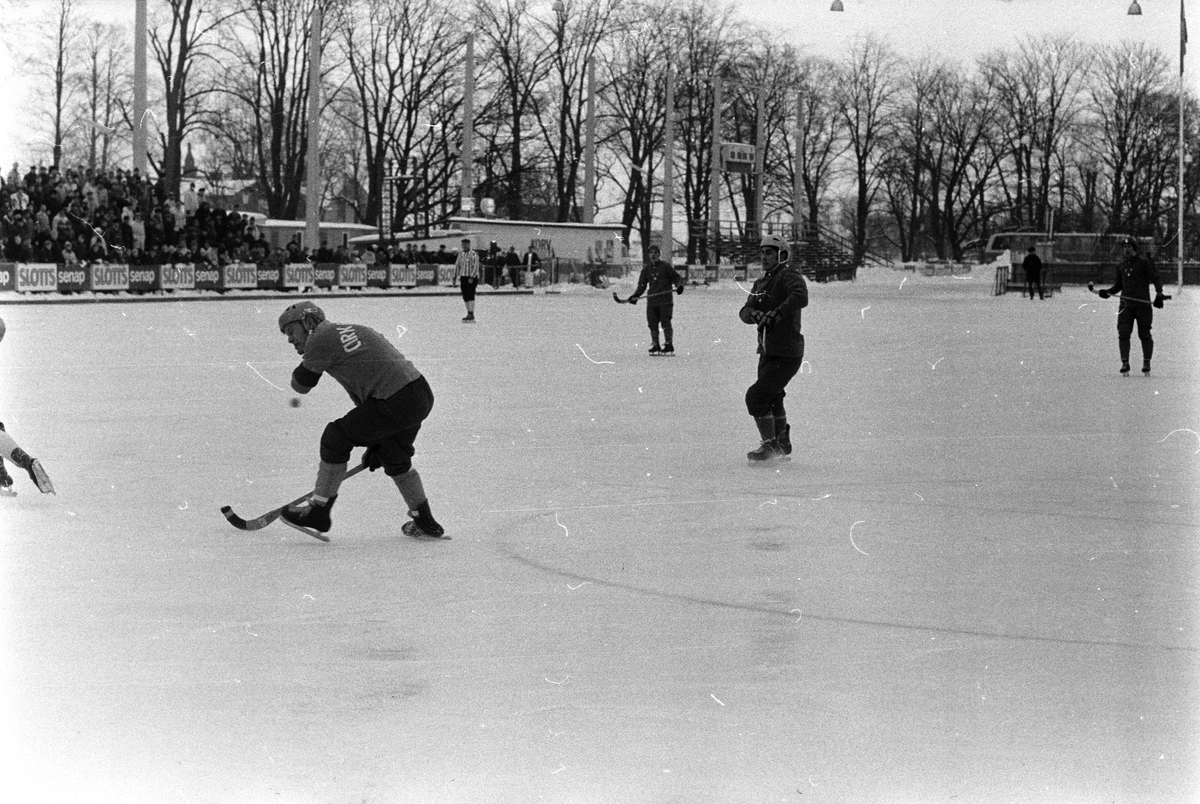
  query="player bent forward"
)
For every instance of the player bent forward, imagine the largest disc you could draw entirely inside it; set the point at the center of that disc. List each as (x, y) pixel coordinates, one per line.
(391, 399)
(774, 305)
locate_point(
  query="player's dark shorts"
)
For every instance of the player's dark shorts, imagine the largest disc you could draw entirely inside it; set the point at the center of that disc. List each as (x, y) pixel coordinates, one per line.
(392, 423)
(659, 314)
(765, 396)
(467, 285)
(1132, 312)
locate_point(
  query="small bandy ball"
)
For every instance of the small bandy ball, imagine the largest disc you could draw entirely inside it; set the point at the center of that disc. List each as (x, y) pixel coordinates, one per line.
(295, 402)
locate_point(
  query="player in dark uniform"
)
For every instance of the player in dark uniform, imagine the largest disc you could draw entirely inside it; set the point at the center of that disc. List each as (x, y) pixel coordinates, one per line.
(774, 306)
(657, 280)
(391, 399)
(1135, 275)
(19, 457)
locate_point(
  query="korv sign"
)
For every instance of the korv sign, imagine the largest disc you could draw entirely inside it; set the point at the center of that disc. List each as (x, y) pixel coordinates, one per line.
(37, 276)
(110, 277)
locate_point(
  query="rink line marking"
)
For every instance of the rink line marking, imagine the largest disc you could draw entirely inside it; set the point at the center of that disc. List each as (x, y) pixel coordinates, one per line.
(627, 587)
(856, 547)
(264, 379)
(715, 698)
(597, 362)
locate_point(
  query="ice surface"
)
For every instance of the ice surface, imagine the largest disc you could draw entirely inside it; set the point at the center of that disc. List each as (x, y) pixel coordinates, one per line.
(976, 580)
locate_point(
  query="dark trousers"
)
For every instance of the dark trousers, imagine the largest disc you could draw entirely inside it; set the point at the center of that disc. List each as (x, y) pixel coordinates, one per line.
(660, 315)
(1141, 314)
(765, 397)
(1034, 278)
(392, 423)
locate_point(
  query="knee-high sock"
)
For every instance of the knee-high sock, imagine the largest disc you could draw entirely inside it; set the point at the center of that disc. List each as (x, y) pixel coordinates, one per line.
(329, 479)
(7, 445)
(410, 488)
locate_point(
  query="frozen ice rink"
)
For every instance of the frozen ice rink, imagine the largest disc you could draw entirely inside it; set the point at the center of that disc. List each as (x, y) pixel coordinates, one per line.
(976, 581)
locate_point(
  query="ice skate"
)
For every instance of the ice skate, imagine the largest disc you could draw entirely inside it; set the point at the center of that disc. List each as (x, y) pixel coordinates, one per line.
(668, 350)
(423, 527)
(34, 467)
(1146, 367)
(469, 318)
(310, 515)
(655, 350)
(784, 439)
(1125, 368)
(766, 451)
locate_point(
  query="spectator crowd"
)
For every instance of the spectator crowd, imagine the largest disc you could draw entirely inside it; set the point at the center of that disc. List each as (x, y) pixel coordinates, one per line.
(114, 215)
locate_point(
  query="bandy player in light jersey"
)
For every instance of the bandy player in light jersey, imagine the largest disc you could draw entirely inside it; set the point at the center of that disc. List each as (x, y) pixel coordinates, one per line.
(21, 458)
(391, 399)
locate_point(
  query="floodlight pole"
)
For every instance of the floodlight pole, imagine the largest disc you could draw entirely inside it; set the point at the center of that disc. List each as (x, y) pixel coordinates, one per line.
(139, 91)
(668, 244)
(312, 228)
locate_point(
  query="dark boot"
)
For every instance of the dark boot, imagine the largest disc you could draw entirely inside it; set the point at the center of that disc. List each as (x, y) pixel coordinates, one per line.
(422, 523)
(783, 435)
(311, 514)
(769, 448)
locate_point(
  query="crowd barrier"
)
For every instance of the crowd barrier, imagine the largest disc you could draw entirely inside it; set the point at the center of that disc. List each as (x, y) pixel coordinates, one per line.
(117, 278)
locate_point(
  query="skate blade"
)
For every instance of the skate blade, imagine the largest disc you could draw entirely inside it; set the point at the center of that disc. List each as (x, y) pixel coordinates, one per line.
(7, 491)
(408, 529)
(306, 531)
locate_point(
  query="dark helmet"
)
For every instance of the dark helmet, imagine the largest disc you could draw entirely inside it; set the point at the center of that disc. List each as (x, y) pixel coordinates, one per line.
(305, 312)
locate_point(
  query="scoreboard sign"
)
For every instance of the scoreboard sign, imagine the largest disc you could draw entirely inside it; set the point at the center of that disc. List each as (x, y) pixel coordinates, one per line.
(737, 157)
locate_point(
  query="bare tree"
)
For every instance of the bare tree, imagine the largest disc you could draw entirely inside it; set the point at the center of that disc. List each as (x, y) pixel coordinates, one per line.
(707, 39)
(1039, 88)
(574, 35)
(906, 170)
(863, 100)
(636, 120)
(108, 65)
(1130, 100)
(822, 134)
(269, 40)
(180, 43)
(402, 100)
(522, 65)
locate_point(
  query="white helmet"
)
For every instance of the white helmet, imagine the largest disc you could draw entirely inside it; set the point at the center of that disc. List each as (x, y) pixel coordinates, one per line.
(778, 243)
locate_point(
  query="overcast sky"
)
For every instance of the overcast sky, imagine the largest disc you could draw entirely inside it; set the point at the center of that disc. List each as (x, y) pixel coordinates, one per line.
(959, 29)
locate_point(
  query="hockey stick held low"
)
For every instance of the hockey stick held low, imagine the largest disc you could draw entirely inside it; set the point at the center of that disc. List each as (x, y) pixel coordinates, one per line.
(1091, 288)
(619, 300)
(261, 522)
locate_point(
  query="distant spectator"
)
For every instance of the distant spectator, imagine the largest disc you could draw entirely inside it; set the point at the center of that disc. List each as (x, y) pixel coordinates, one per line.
(190, 200)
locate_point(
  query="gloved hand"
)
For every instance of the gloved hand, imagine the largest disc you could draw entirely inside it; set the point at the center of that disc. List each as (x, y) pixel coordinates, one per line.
(769, 318)
(632, 299)
(1158, 301)
(1102, 294)
(679, 290)
(752, 316)
(371, 458)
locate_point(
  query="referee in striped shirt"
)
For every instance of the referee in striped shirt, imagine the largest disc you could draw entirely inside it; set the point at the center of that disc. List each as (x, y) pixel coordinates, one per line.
(466, 271)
